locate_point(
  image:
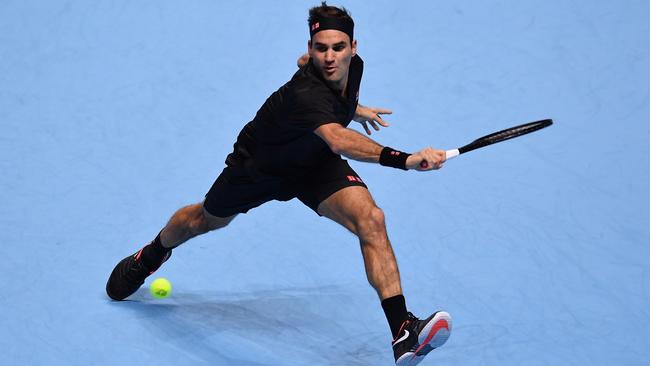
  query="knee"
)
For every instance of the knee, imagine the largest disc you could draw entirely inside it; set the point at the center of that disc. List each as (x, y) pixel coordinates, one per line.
(197, 220)
(372, 224)
(210, 222)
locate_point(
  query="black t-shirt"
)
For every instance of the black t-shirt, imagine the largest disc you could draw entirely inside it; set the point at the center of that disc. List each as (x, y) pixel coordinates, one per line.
(280, 140)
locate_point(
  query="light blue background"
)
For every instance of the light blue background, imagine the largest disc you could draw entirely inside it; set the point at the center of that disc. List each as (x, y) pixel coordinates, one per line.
(113, 114)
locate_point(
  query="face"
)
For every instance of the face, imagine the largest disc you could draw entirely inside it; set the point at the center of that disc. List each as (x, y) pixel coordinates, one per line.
(331, 53)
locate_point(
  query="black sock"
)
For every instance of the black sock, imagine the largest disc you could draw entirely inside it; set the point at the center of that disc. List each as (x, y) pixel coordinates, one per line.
(395, 310)
(154, 254)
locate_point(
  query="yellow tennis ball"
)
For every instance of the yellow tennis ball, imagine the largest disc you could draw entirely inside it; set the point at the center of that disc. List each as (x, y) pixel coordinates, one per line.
(160, 288)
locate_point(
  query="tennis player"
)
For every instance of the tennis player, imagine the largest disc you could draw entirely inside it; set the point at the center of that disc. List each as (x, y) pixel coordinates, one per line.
(292, 149)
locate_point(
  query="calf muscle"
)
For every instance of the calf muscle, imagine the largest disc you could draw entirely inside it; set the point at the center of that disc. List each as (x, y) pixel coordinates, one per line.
(354, 208)
(188, 222)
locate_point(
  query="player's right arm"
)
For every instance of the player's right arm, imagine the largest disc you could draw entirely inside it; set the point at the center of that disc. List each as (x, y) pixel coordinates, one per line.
(355, 146)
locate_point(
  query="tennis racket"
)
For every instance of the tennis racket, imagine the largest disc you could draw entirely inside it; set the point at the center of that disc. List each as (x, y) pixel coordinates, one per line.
(500, 136)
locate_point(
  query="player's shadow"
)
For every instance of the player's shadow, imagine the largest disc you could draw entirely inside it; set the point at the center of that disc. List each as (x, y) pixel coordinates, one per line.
(269, 327)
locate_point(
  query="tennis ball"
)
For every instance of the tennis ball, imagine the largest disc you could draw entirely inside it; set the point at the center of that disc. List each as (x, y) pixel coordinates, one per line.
(160, 288)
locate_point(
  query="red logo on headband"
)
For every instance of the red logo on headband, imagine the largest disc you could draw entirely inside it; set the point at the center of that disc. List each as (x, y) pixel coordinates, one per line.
(315, 26)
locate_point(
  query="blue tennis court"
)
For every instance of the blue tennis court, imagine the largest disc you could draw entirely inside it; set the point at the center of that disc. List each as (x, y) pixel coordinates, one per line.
(113, 114)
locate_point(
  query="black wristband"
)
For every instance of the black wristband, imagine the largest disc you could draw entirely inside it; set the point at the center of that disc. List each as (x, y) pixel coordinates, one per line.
(393, 158)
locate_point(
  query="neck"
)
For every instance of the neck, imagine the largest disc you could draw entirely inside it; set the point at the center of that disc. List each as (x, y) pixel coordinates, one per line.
(341, 86)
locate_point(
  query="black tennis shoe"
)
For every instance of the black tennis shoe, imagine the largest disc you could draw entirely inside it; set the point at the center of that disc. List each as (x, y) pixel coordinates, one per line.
(416, 338)
(129, 275)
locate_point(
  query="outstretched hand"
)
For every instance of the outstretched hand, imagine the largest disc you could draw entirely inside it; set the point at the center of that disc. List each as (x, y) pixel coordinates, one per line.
(371, 116)
(426, 159)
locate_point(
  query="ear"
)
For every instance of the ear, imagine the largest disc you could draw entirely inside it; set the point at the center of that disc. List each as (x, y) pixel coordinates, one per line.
(354, 47)
(309, 47)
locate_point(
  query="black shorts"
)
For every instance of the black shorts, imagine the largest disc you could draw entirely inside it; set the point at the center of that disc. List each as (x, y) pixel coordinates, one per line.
(236, 191)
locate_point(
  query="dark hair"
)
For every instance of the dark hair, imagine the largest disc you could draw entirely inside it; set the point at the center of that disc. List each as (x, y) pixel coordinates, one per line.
(326, 11)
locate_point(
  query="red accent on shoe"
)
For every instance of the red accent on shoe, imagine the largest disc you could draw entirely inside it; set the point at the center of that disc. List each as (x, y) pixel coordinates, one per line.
(442, 323)
(138, 254)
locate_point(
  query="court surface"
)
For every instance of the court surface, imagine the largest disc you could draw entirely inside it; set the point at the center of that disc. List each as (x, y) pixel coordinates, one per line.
(115, 113)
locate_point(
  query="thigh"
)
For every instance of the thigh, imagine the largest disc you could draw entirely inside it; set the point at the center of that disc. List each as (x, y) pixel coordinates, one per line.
(347, 206)
(235, 192)
(327, 179)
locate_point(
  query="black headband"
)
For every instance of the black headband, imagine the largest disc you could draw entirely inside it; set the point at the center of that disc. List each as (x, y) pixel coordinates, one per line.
(344, 25)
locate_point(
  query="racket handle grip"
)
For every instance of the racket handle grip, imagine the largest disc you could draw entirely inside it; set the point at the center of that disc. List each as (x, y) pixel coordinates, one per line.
(450, 154)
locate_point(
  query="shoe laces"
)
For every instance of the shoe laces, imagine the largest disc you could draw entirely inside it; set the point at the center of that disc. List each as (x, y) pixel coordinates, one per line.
(136, 272)
(411, 317)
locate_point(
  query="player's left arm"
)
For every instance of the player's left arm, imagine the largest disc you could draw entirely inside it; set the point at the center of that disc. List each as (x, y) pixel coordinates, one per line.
(302, 60)
(370, 116)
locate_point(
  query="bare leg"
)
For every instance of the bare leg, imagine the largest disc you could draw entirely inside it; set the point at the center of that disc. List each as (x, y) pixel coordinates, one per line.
(130, 273)
(354, 208)
(188, 222)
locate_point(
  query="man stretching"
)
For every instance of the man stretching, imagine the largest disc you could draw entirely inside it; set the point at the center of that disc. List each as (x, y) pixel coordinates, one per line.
(292, 149)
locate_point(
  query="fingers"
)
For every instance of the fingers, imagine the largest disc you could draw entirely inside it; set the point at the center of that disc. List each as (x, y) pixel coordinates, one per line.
(373, 120)
(425, 166)
(365, 127)
(377, 112)
(432, 159)
(379, 120)
(371, 116)
(382, 111)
